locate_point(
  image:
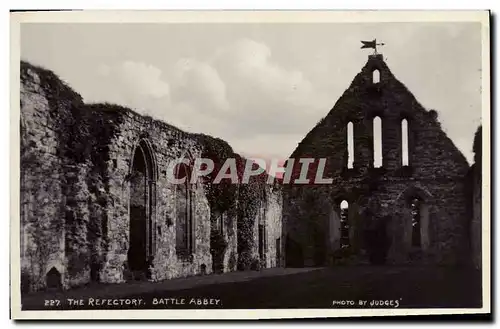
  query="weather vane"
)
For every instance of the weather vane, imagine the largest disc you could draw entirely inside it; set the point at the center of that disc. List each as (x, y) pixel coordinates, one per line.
(372, 44)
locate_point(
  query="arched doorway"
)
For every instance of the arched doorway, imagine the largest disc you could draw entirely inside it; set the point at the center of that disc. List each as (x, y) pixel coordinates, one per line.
(344, 232)
(344, 224)
(142, 210)
(418, 223)
(53, 279)
(412, 232)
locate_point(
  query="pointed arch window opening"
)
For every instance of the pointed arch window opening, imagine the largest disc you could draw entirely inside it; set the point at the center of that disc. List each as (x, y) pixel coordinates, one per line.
(344, 224)
(377, 142)
(404, 143)
(375, 76)
(142, 208)
(184, 222)
(350, 145)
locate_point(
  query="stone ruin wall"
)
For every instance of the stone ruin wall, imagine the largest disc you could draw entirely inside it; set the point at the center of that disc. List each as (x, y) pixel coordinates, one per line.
(268, 214)
(436, 173)
(476, 224)
(75, 172)
(42, 220)
(168, 144)
(475, 186)
(274, 212)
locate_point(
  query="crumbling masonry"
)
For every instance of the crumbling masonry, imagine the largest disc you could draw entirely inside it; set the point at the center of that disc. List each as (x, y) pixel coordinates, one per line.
(401, 181)
(96, 204)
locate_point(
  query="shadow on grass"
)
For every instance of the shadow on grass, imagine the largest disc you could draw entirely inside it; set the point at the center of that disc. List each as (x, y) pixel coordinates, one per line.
(405, 287)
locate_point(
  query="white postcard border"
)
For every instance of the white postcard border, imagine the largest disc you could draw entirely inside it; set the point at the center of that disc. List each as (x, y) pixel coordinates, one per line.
(213, 16)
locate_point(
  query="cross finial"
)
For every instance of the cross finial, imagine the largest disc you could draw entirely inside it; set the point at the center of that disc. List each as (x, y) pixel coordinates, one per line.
(372, 44)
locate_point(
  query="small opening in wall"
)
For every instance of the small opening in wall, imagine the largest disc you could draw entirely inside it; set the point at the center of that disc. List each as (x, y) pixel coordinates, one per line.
(94, 272)
(169, 220)
(220, 223)
(53, 279)
(159, 230)
(350, 145)
(376, 76)
(344, 224)
(377, 142)
(115, 164)
(404, 143)
(203, 269)
(262, 241)
(184, 238)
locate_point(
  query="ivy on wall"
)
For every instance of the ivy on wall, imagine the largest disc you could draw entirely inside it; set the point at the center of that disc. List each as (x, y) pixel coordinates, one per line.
(84, 133)
(226, 196)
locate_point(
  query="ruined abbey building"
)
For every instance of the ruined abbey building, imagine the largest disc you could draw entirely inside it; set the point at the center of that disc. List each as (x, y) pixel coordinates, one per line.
(401, 191)
(96, 205)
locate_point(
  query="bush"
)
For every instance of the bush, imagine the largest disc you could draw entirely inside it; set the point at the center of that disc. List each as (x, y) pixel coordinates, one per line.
(255, 266)
(232, 262)
(244, 259)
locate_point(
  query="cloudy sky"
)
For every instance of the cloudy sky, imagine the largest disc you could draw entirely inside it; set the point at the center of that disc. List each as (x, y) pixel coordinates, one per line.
(261, 87)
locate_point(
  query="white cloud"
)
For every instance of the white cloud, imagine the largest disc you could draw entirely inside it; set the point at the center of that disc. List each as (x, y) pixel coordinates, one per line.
(265, 96)
(238, 94)
(199, 84)
(279, 84)
(143, 79)
(137, 85)
(270, 146)
(189, 98)
(250, 62)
